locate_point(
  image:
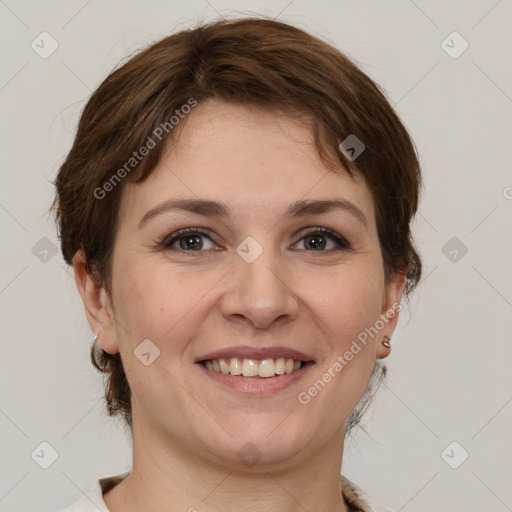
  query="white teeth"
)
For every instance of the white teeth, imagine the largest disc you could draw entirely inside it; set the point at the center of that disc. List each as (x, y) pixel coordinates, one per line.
(224, 368)
(252, 367)
(235, 366)
(249, 368)
(267, 368)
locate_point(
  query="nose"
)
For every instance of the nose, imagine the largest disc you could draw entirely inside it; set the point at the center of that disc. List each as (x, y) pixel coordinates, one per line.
(259, 293)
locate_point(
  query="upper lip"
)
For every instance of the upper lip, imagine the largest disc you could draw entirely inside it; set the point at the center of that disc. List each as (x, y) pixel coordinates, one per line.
(248, 352)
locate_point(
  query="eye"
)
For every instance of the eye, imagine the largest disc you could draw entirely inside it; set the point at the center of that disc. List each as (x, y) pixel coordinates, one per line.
(316, 239)
(191, 240)
(188, 239)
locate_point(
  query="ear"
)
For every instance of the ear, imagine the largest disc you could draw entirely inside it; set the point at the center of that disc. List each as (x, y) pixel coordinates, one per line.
(97, 305)
(390, 309)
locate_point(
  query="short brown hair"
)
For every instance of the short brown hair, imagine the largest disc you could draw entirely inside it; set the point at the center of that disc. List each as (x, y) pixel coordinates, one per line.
(248, 61)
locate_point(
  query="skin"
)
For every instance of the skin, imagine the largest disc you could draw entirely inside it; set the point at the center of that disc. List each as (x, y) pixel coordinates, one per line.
(187, 429)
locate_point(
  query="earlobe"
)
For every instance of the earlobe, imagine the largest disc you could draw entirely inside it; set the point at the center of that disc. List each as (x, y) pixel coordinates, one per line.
(390, 310)
(97, 305)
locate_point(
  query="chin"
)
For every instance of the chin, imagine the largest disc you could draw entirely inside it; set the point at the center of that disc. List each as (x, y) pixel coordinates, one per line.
(262, 446)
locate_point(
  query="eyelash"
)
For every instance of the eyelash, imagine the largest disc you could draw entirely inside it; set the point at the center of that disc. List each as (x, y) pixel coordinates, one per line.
(342, 243)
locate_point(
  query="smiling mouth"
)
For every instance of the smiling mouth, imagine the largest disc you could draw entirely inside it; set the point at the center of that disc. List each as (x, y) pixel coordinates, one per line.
(262, 368)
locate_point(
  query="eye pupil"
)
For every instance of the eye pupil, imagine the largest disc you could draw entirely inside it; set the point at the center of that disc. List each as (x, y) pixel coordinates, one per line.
(190, 242)
(316, 244)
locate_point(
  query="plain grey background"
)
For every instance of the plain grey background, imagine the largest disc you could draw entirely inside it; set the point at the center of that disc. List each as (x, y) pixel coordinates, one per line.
(450, 378)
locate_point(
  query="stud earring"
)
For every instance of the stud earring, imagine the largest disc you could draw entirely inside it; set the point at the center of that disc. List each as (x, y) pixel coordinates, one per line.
(386, 341)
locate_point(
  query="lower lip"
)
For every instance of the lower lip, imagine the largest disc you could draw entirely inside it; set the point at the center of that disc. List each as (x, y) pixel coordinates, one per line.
(256, 385)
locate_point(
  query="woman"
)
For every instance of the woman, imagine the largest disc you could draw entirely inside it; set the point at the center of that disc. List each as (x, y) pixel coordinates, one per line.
(236, 207)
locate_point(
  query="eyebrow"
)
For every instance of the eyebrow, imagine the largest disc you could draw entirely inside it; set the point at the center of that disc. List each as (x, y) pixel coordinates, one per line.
(297, 209)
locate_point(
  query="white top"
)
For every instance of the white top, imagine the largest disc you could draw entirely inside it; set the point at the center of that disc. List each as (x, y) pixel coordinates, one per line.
(356, 499)
(93, 500)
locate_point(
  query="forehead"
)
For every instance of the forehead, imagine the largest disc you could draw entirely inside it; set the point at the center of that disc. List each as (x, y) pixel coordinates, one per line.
(257, 161)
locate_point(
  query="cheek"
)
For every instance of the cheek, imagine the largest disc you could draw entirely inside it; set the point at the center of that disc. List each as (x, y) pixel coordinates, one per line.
(350, 306)
(158, 302)
(348, 300)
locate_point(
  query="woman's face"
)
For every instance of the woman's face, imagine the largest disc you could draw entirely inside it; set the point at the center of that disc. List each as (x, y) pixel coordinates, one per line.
(254, 274)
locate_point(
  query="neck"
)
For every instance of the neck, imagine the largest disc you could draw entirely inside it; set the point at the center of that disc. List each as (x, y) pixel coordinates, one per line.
(167, 476)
